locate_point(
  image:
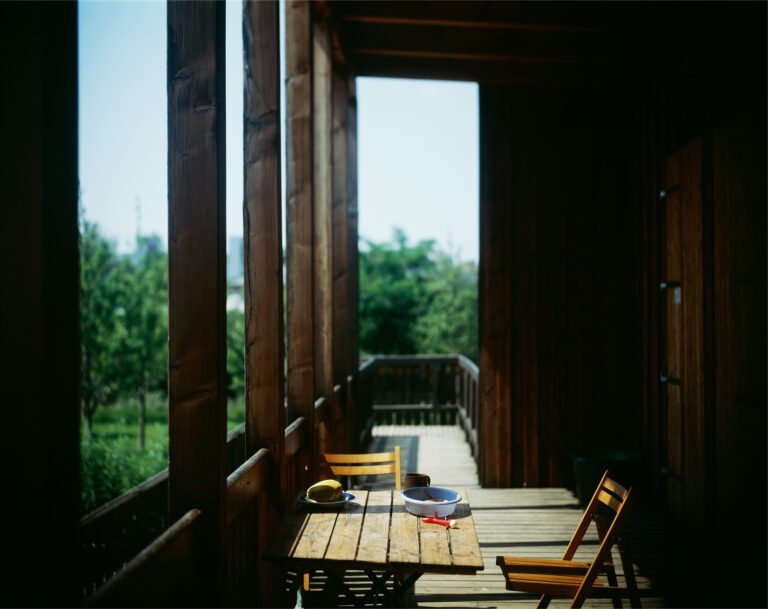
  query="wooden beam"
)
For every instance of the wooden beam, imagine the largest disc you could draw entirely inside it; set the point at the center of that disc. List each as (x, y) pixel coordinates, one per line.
(39, 306)
(197, 272)
(264, 349)
(322, 201)
(299, 220)
(417, 40)
(342, 263)
(495, 294)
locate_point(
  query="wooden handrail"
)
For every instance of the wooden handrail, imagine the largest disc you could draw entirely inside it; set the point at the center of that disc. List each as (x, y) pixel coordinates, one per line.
(295, 436)
(245, 483)
(160, 569)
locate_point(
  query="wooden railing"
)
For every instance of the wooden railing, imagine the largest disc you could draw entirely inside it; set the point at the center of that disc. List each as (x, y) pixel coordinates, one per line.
(133, 525)
(119, 529)
(418, 389)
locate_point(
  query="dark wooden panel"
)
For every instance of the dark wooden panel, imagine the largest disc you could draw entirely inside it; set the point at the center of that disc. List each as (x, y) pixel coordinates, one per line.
(197, 270)
(39, 308)
(495, 293)
(568, 200)
(739, 150)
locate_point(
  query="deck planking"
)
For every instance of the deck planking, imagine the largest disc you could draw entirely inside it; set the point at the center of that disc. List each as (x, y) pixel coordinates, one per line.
(511, 522)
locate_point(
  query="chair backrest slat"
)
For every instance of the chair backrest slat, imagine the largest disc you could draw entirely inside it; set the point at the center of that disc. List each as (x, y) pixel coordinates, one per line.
(366, 464)
(362, 470)
(360, 458)
(610, 500)
(615, 488)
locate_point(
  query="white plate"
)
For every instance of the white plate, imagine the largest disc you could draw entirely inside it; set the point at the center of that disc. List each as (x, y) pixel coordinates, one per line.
(345, 498)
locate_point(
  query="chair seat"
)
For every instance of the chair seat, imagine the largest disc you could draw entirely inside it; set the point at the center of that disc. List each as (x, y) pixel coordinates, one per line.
(546, 583)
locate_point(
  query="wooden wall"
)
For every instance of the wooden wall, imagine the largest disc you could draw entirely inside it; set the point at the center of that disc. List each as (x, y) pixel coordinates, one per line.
(39, 311)
(562, 197)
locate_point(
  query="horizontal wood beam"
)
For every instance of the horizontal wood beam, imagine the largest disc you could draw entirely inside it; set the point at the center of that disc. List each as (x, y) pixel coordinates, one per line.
(497, 72)
(531, 16)
(419, 40)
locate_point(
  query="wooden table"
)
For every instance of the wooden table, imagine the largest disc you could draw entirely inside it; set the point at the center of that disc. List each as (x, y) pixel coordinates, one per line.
(374, 533)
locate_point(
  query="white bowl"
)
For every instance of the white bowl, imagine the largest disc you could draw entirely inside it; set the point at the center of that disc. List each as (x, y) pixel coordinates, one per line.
(417, 500)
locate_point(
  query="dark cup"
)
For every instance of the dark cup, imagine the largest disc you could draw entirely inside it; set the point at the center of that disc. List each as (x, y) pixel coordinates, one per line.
(414, 479)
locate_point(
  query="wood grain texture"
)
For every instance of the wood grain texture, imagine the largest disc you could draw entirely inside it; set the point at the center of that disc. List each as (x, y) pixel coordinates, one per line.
(300, 349)
(375, 534)
(263, 264)
(197, 270)
(343, 545)
(404, 538)
(263, 258)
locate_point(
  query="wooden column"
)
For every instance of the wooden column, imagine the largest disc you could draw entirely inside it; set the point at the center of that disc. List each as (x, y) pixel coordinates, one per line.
(39, 308)
(299, 214)
(323, 218)
(353, 284)
(264, 349)
(495, 295)
(197, 272)
(343, 238)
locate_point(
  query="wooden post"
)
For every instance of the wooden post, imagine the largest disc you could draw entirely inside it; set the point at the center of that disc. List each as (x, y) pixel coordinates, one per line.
(39, 314)
(353, 290)
(197, 274)
(322, 212)
(264, 393)
(299, 217)
(496, 297)
(341, 263)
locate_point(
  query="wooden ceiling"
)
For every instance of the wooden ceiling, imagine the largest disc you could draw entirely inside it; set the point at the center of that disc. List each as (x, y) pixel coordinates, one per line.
(533, 43)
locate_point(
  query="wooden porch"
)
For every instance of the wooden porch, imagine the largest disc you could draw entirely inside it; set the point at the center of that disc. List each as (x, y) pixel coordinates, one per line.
(622, 289)
(511, 521)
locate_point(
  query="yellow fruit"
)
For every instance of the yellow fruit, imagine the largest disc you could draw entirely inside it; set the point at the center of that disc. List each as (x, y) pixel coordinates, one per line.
(325, 490)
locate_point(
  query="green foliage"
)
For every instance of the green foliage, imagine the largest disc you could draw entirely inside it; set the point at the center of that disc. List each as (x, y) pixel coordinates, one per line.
(111, 462)
(99, 301)
(394, 280)
(416, 299)
(235, 352)
(450, 325)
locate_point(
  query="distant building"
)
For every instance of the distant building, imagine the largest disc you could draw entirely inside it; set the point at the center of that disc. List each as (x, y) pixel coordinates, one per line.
(235, 260)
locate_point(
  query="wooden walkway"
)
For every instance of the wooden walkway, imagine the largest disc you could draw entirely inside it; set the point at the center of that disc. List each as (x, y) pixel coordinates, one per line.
(520, 521)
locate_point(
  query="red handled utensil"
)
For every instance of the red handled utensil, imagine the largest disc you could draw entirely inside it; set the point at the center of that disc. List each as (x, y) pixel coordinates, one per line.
(447, 523)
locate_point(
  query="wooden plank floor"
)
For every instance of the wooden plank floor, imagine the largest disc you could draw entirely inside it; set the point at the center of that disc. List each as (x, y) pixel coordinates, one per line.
(513, 522)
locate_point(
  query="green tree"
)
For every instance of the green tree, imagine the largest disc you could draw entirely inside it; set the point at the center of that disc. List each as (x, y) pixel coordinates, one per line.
(141, 337)
(450, 323)
(99, 303)
(416, 299)
(393, 293)
(235, 352)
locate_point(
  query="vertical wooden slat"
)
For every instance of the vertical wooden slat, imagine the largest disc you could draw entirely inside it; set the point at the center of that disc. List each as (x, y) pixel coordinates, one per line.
(299, 216)
(197, 272)
(322, 201)
(39, 303)
(264, 349)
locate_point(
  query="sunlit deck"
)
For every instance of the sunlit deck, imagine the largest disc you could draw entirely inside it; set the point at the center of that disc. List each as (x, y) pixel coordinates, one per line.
(519, 521)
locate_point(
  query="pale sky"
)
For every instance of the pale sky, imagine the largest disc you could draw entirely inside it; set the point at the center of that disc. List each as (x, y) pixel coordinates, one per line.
(417, 140)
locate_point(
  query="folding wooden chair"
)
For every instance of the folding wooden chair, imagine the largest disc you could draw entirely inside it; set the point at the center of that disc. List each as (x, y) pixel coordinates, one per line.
(575, 579)
(366, 464)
